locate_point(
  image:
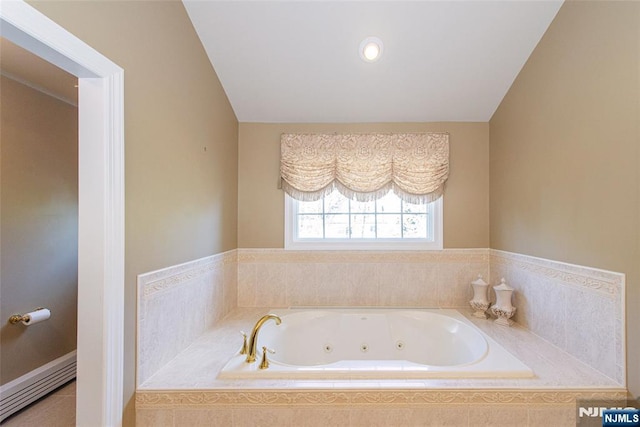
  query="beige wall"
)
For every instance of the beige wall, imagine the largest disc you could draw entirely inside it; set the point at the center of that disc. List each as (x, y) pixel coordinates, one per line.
(261, 204)
(39, 226)
(180, 140)
(565, 151)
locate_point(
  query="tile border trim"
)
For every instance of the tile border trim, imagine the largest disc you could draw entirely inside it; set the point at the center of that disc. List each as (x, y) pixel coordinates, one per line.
(170, 277)
(602, 281)
(180, 399)
(298, 256)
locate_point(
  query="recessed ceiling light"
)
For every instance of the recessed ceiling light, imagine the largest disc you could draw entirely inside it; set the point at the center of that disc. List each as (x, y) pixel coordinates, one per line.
(371, 49)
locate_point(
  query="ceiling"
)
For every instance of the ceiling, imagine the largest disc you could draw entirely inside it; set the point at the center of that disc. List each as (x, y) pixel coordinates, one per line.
(298, 61)
(21, 65)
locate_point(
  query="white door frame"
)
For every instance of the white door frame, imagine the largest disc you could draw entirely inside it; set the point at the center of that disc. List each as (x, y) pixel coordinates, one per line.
(99, 398)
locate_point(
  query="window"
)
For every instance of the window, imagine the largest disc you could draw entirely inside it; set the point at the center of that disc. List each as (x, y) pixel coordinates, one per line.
(336, 222)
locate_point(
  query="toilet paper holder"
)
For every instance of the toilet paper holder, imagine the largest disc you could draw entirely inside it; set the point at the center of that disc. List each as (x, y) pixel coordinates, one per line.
(17, 318)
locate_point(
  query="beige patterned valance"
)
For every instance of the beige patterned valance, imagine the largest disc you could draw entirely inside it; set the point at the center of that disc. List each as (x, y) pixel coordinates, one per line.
(365, 166)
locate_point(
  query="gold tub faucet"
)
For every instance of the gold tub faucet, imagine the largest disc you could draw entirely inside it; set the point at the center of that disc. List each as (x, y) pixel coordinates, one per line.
(253, 339)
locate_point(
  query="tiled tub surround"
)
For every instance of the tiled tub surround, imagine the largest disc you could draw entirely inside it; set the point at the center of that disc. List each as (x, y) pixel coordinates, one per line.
(579, 309)
(178, 304)
(576, 308)
(187, 391)
(436, 279)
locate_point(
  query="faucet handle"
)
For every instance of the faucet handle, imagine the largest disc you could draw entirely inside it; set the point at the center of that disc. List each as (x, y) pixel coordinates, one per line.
(244, 349)
(264, 364)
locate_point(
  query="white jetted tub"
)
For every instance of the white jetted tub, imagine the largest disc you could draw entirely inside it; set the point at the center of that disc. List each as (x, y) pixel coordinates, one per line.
(376, 343)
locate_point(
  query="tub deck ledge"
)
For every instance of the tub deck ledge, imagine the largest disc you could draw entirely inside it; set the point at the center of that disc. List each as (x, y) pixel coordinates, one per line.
(189, 382)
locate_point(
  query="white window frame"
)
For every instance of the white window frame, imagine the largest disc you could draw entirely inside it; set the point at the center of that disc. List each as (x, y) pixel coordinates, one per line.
(292, 242)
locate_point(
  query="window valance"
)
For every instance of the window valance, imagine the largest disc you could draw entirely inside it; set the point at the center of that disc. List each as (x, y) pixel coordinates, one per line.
(365, 167)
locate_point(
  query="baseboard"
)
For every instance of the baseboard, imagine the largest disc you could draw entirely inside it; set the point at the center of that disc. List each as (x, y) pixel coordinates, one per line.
(33, 385)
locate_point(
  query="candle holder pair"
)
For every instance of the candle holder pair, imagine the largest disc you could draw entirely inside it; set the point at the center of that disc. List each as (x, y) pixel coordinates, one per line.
(502, 309)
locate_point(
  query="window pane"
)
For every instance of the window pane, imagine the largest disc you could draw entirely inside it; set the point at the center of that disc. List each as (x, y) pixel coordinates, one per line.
(415, 226)
(310, 207)
(411, 208)
(310, 226)
(337, 220)
(363, 226)
(337, 226)
(389, 226)
(389, 203)
(336, 203)
(363, 207)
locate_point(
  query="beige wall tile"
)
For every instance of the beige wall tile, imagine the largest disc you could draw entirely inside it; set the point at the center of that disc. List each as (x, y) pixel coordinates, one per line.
(454, 283)
(574, 307)
(230, 286)
(179, 303)
(271, 285)
(263, 416)
(221, 417)
(302, 285)
(326, 278)
(590, 328)
(321, 417)
(379, 416)
(154, 417)
(498, 416)
(552, 416)
(440, 416)
(246, 284)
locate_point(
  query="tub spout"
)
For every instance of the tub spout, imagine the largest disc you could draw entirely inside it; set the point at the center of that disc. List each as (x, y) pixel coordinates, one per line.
(253, 340)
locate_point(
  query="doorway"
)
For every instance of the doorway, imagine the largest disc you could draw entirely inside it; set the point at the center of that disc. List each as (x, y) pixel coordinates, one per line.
(38, 226)
(100, 357)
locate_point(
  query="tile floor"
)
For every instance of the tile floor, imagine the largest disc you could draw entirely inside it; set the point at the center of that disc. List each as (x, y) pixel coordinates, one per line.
(58, 409)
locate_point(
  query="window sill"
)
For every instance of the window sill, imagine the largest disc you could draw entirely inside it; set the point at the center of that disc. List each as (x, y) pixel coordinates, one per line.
(351, 245)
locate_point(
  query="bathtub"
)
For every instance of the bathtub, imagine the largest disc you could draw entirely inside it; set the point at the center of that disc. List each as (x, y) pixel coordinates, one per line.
(376, 343)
